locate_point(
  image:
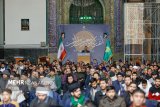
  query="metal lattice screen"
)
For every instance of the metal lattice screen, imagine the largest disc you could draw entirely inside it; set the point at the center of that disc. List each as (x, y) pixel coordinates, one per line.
(142, 28)
(86, 12)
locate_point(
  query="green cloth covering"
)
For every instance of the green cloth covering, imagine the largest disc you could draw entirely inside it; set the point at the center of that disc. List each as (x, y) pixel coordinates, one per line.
(79, 101)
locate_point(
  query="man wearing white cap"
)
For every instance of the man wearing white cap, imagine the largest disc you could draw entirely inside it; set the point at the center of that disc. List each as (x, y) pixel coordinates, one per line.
(43, 98)
(51, 87)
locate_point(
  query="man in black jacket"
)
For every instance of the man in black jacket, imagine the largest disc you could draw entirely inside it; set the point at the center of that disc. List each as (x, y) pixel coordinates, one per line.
(102, 92)
(111, 99)
(43, 98)
(132, 86)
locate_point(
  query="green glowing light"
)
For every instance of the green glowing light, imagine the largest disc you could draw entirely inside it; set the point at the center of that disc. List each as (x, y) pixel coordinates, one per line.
(85, 18)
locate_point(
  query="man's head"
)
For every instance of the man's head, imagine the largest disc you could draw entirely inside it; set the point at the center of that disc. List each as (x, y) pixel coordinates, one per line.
(113, 69)
(34, 74)
(96, 75)
(110, 92)
(79, 69)
(157, 82)
(129, 72)
(131, 67)
(12, 75)
(35, 83)
(103, 83)
(119, 76)
(2, 65)
(123, 68)
(144, 84)
(92, 71)
(75, 90)
(6, 95)
(73, 68)
(134, 76)
(135, 68)
(41, 76)
(86, 48)
(63, 35)
(41, 96)
(87, 69)
(41, 93)
(93, 83)
(52, 72)
(155, 67)
(95, 60)
(76, 93)
(68, 70)
(6, 74)
(132, 86)
(24, 76)
(127, 80)
(154, 74)
(70, 78)
(142, 66)
(149, 71)
(138, 98)
(41, 69)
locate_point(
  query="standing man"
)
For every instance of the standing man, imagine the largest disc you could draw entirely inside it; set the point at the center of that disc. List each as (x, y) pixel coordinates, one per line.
(111, 99)
(86, 50)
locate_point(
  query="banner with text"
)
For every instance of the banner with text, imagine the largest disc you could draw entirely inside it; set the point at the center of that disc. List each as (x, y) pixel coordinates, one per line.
(77, 36)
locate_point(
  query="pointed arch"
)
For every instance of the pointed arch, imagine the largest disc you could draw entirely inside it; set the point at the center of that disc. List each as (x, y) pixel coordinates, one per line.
(89, 12)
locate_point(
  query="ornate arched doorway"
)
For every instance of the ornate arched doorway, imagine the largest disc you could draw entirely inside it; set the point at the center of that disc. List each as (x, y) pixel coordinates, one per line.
(86, 12)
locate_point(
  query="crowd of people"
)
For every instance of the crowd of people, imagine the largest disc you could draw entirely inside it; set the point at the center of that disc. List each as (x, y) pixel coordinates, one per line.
(116, 84)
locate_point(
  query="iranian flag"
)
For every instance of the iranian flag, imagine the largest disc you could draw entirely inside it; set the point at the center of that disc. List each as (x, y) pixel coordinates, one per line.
(61, 51)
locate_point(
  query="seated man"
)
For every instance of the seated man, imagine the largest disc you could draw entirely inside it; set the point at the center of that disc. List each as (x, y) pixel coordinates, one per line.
(127, 81)
(4, 80)
(145, 85)
(76, 99)
(94, 87)
(127, 96)
(102, 92)
(131, 87)
(85, 50)
(111, 99)
(154, 91)
(43, 98)
(6, 102)
(119, 84)
(138, 98)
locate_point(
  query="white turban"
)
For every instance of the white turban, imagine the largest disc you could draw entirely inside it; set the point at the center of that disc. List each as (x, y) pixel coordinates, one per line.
(135, 67)
(49, 81)
(42, 90)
